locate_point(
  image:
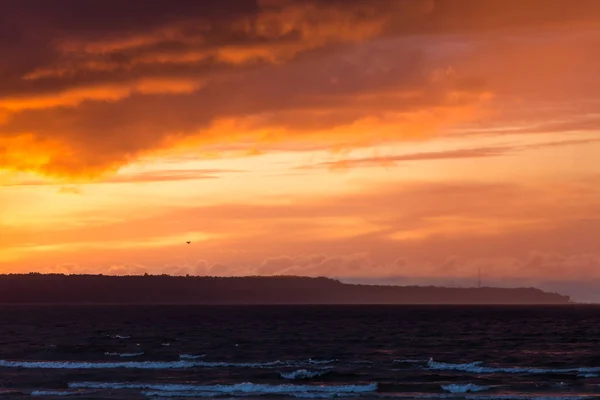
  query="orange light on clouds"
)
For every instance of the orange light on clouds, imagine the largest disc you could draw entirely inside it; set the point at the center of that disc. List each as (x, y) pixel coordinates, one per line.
(389, 139)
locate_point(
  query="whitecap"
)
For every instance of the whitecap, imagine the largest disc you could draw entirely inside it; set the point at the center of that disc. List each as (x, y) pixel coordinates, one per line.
(320, 362)
(48, 392)
(246, 388)
(124, 354)
(191, 356)
(302, 374)
(409, 361)
(129, 364)
(183, 363)
(464, 388)
(478, 368)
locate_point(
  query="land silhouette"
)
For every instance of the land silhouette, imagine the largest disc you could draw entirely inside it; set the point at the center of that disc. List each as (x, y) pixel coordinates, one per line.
(37, 288)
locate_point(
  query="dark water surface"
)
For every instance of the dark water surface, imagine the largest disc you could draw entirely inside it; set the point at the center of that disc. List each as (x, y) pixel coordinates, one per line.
(140, 352)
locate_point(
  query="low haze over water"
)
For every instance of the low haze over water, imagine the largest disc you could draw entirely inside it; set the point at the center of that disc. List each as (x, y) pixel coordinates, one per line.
(138, 352)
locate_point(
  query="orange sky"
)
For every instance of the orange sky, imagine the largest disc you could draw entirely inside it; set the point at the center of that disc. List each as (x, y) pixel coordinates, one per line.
(399, 141)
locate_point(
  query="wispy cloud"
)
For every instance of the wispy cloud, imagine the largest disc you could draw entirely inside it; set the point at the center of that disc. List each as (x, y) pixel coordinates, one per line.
(480, 152)
(387, 161)
(139, 177)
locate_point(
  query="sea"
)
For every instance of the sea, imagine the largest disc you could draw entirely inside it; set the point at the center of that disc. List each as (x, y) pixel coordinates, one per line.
(291, 352)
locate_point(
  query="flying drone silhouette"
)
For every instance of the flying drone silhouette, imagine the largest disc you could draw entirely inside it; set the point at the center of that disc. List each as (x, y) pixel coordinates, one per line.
(188, 242)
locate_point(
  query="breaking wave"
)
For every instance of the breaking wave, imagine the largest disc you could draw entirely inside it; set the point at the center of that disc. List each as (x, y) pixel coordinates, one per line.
(152, 364)
(191, 356)
(464, 388)
(479, 368)
(56, 392)
(124, 354)
(302, 374)
(239, 389)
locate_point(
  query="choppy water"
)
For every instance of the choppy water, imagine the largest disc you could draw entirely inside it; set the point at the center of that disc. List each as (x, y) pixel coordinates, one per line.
(140, 352)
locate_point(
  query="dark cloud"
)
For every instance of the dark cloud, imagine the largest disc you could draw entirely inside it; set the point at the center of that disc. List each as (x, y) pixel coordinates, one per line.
(88, 87)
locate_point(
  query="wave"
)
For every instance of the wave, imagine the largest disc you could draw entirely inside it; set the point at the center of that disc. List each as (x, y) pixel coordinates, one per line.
(56, 392)
(10, 392)
(120, 337)
(181, 364)
(243, 389)
(321, 362)
(409, 361)
(302, 374)
(302, 395)
(191, 356)
(464, 388)
(124, 354)
(530, 397)
(479, 368)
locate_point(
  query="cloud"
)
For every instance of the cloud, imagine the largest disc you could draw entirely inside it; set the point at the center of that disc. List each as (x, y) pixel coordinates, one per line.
(167, 175)
(572, 274)
(111, 93)
(533, 265)
(127, 269)
(455, 218)
(533, 268)
(480, 152)
(274, 265)
(101, 92)
(387, 161)
(358, 264)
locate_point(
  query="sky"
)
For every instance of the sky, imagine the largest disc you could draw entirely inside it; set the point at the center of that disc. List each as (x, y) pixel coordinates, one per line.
(391, 141)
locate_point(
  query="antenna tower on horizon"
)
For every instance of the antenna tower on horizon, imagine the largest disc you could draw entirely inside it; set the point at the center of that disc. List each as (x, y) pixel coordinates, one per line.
(479, 278)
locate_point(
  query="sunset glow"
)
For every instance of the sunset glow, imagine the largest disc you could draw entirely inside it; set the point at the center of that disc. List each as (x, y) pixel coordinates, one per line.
(390, 141)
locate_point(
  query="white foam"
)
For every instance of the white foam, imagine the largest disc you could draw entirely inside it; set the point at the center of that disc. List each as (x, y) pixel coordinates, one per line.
(191, 394)
(191, 356)
(186, 361)
(191, 390)
(490, 396)
(529, 397)
(464, 388)
(320, 362)
(478, 368)
(302, 374)
(188, 394)
(124, 354)
(121, 337)
(409, 361)
(55, 392)
(131, 364)
(154, 364)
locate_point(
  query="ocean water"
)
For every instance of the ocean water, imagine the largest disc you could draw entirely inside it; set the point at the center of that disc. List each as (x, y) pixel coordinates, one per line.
(179, 352)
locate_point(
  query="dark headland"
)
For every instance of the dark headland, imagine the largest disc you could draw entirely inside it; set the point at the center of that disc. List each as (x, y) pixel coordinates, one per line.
(162, 289)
